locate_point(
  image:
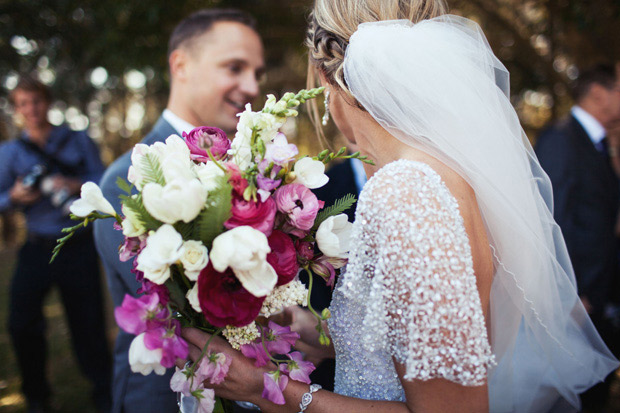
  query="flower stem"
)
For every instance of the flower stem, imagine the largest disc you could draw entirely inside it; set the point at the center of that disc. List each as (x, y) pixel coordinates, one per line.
(214, 160)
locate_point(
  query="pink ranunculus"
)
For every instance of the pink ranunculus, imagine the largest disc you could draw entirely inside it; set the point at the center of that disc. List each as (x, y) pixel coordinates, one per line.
(256, 214)
(214, 367)
(299, 204)
(280, 151)
(224, 301)
(321, 266)
(275, 382)
(206, 137)
(283, 257)
(130, 248)
(297, 368)
(238, 182)
(137, 315)
(168, 339)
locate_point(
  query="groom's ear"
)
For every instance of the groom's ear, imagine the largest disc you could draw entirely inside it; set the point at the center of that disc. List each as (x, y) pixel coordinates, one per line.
(177, 62)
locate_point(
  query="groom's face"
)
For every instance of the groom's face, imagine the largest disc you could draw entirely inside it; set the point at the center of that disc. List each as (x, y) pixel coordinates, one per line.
(224, 70)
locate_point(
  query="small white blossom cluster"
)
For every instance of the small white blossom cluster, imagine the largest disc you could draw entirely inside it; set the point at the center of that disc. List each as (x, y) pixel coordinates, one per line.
(238, 336)
(293, 293)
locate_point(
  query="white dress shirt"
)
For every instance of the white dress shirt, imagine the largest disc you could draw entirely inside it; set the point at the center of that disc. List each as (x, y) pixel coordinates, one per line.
(593, 127)
(179, 125)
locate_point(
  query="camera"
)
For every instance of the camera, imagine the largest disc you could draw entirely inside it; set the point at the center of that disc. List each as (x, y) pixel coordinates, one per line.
(32, 180)
(38, 178)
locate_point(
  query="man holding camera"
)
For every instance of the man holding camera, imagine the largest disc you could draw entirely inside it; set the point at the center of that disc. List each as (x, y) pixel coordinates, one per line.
(41, 173)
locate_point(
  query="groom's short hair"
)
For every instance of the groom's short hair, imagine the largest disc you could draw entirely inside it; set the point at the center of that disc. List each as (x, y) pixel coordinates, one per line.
(200, 22)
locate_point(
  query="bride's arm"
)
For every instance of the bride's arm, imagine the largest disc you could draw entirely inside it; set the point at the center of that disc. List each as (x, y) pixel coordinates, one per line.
(245, 382)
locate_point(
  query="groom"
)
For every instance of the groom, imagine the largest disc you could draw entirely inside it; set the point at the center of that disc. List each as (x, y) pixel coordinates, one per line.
(215, 60)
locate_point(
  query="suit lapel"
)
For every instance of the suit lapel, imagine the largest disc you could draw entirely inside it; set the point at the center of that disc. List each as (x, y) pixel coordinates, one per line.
(160, 132)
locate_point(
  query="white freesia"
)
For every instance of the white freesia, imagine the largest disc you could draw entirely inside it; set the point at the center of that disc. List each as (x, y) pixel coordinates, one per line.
(163, 248)
(144, 361)
(91, 199)
(178, 200)
(333, 236)
(132, 226)
(241, 154)
(207, 174)
(310, 173)
(194, 257)
(266, 123)
(192, 297)
(244, 249)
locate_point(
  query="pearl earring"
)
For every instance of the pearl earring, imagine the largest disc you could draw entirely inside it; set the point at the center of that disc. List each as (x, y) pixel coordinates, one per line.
(326, 115)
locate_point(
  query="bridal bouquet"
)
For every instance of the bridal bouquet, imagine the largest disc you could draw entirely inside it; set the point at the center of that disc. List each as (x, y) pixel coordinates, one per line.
(218, 232)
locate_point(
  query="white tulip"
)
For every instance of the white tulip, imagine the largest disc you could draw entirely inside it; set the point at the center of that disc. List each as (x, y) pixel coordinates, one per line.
(144, 361)
(310, 173)
(244, 249)
(91, 199)
(333, 236)
(194, 257)
(176, 201)
(163, 248)
(207, 174)
(132, 226)
(177, 167)
(136, 173)
(192, 297)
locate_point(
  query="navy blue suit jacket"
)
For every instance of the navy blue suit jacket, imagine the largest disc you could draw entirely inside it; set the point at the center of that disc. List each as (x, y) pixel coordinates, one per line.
(131, 392)
(586, 196)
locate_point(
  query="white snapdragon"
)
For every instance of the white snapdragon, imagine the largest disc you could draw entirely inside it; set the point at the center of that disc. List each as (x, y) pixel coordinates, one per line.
(144, 361)
(293, 293)
(244, 249)
(91, 199)
(178, 200)
(333, 236)
(266, 123)
(194, 257)
(310, 173)
(192, 298)
(207, 174)
(163, 248)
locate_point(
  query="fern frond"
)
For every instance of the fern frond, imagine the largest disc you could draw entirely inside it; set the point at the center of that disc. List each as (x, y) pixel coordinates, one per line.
(152, 169)
(123, 185)
(136, 205)
(339, 207)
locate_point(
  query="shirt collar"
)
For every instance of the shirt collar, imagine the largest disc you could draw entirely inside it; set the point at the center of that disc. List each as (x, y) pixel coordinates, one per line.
(180, 125)
(593, 127)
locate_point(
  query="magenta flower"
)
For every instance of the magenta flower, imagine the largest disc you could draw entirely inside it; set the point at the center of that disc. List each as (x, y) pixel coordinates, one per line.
(279, 339)
(169, 340)
(238, 182)
(299, 204)
(257, 352)
(297, 368)
(305, 250)
(130, 248)
(275, 382)
(203, 138)
(283, 257)
(151, 288)
(325, 269)
(214, 367)
(256, 214)
(280, 152)
(137, 315)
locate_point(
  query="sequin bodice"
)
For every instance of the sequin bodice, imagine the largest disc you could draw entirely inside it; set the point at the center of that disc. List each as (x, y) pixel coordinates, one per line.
(409, 291)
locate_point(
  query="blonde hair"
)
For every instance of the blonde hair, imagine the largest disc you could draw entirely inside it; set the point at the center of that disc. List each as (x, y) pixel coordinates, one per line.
(333, 22)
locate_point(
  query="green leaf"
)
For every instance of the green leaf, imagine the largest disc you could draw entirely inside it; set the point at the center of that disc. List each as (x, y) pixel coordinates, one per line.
(152, 169)
(339, 207)
(135, 204)
(210, 222)
(123, 185)
(185, 229)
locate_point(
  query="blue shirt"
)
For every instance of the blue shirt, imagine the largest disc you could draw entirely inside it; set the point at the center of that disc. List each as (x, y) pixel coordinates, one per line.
(73, 148)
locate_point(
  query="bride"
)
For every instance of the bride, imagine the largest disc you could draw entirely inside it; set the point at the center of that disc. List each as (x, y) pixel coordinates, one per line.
(459, 294)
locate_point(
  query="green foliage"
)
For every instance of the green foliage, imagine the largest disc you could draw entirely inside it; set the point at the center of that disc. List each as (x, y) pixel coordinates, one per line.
(210, 223)
(123, 185)
(152, 169)
(339, 207)
(135, 204)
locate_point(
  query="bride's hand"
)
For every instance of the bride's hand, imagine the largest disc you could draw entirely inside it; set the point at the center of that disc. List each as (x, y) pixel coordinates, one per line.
(303, 322)
(244, 380)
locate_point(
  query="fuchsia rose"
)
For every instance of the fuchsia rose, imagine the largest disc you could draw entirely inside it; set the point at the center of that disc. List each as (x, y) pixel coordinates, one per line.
(168, 339)
(283, 257)
(206, 137)
(256, 214)
(137, 315)
(224, 301)
(299, 204)
(236, 179)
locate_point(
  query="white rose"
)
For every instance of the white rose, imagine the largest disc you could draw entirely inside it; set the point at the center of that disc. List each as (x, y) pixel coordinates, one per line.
(244, 249)
(144, 361)
(333, 236)
(176, 201)
(163, 248)
(192, 297)
(132, 226)
(310, 173)
(207, 172)
(91, 199)
(194, 257)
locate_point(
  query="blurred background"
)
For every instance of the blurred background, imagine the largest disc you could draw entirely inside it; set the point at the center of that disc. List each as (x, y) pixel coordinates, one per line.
(106, 64)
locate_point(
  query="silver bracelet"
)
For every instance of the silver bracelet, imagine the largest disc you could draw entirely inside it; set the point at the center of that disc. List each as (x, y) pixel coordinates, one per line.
(306, 399)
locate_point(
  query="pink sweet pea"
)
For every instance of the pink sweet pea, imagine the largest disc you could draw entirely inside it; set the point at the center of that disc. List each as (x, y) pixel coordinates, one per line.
(297, 368)
(169, 340)
(278, 340)
(181, 382)
(275, 382)
(214, 367)
(256, 214)
(130, 248)
(299, 204)
(283, 257)
(257, 352)
(203, 138)
(151, 288)
(137, 315)
(280, 152)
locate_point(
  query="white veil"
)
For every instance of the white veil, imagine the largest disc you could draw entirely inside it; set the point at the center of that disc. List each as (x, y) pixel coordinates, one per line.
(437, 86)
